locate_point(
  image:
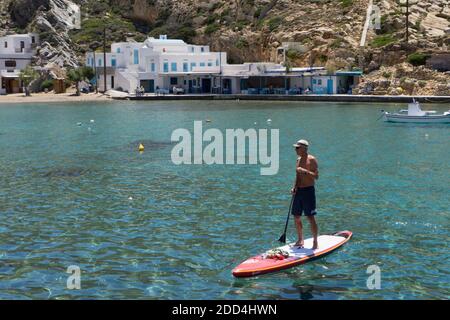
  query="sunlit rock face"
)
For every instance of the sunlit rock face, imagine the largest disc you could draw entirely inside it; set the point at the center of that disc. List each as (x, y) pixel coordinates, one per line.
(52, 19)
(327, 31)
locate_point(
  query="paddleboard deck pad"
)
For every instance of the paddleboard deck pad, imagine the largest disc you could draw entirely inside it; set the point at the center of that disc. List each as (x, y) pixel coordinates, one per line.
(289, 256)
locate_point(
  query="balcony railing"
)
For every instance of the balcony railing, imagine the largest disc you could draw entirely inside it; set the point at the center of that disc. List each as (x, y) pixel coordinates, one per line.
(23, 50)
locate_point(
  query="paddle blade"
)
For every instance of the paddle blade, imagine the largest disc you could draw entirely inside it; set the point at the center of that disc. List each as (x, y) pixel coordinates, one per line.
(283, 238)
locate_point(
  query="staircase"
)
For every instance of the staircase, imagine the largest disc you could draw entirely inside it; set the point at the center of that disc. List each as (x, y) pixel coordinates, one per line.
(127, 79)
(366, 24)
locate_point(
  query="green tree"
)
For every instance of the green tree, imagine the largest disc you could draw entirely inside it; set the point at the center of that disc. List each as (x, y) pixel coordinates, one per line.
(47, 84)
(27, 76)
(75, 76)
(288, 65)
(79, 74)
(87, 73)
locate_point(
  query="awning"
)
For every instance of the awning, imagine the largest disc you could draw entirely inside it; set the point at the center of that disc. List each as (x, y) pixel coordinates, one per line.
(295, 69)
(11, 75)
(194, 73)
(349, 73)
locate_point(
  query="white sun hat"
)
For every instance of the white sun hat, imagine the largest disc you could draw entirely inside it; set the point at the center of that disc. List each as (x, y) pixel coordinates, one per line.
(301, 142)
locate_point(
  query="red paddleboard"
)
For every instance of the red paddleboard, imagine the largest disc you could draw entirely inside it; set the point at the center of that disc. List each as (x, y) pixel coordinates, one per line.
(289, 256)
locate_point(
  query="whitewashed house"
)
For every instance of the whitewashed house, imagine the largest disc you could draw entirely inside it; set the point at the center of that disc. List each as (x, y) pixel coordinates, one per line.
(164, 64)
(16, 52)
(157, 64)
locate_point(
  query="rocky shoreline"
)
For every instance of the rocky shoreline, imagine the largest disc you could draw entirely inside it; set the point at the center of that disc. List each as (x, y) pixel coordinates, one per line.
(325, 33)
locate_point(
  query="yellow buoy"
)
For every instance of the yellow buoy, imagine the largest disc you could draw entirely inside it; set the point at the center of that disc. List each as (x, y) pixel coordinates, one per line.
(141, 147)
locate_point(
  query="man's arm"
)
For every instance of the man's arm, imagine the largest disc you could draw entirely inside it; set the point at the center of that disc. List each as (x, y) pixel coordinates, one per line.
(297, 165)
(314, 172)
(314, 169)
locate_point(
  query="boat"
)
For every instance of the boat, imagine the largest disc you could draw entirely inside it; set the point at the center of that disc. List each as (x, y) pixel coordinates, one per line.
(289, 255)
(414, 114)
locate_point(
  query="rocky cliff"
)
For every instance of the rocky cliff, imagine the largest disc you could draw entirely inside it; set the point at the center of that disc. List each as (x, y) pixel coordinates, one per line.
(317, 32)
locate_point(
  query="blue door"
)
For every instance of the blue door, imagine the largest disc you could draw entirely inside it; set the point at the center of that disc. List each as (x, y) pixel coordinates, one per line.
(330, 86)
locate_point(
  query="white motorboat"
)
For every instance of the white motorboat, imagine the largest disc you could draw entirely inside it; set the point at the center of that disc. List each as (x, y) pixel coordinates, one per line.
(415, 114)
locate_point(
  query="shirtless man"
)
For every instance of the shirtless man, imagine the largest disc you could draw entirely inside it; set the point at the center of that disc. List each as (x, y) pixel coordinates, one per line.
(304, 194)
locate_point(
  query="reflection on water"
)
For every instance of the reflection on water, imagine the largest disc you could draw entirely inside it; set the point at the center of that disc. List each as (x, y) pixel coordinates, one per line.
(65, 172)
(140, 227)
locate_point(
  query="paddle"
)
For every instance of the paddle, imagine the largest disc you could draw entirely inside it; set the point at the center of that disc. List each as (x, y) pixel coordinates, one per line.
(283, 236)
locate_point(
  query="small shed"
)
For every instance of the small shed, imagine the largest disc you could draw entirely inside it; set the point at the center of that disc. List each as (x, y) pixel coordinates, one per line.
(59, 85)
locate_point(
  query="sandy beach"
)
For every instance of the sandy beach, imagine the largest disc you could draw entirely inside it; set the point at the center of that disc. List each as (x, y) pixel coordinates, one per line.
(51, 97)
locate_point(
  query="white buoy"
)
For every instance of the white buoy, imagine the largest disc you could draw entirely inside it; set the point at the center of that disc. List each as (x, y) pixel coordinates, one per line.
(79, 124)
(92, 120)
(130, 198)
(256, 123)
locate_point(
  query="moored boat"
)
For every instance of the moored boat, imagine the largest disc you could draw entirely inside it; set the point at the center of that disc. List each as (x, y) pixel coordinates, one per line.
(415, 114)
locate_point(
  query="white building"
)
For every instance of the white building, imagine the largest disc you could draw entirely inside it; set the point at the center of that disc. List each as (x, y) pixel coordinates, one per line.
(158, 63)
(16, 52)
(162, 64)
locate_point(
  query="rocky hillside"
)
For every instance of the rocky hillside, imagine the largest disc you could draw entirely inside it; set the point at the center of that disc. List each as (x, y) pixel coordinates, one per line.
(325, 32)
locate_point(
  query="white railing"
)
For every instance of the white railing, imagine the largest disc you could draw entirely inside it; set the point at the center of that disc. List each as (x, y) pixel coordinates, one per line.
(211, 69)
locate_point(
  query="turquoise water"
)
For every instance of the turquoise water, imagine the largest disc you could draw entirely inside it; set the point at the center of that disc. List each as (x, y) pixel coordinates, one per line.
(141, 227)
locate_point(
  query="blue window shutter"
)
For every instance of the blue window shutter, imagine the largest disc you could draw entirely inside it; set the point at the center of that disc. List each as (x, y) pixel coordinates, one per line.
(136, 56)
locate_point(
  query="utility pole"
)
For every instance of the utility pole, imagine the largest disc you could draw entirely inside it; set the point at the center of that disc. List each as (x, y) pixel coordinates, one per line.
(95, 72)
(104, 58)
(220, 68)
(94, 46)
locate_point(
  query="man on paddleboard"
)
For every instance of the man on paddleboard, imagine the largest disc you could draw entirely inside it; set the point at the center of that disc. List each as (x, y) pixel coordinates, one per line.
(303, 191)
